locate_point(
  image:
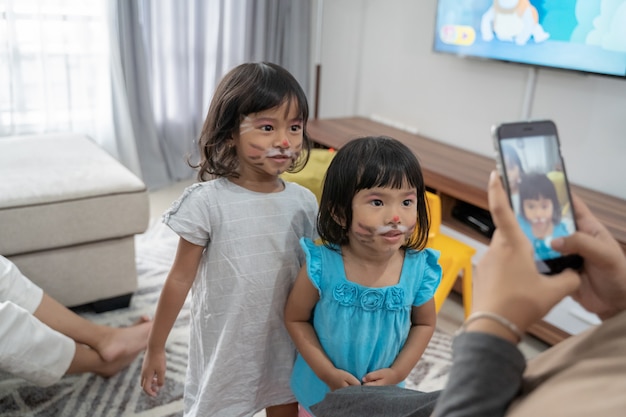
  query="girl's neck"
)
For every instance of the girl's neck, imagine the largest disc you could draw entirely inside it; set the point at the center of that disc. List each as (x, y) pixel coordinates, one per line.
(266, 185)
(372, 269)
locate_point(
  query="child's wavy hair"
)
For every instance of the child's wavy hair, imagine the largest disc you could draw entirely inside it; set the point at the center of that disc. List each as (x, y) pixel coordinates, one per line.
(246, 89)
(535, 186)
(363, 163)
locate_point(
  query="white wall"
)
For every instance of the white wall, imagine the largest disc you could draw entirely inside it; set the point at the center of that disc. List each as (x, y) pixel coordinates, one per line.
(377, 60)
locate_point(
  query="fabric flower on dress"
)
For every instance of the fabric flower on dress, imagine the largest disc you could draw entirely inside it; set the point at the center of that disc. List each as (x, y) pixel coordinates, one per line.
(369, 299)
(345, 294)
(394, 299)
(372, 299)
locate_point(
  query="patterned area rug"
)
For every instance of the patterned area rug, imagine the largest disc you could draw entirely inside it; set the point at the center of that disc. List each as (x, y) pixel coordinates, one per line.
(121, 395)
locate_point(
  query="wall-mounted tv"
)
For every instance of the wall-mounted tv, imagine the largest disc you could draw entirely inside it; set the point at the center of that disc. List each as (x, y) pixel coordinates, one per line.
(579, 35)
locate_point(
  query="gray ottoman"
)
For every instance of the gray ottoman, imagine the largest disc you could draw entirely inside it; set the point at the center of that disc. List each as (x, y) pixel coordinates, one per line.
(68, 215)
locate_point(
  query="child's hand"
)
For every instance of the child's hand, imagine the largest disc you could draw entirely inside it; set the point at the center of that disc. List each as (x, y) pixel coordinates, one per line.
(340, 379)
(385, 376)
(153, 373)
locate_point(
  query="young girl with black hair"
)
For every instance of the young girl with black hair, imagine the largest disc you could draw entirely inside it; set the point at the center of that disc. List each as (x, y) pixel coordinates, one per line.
(540, 216)
(238, 250)
(362, 310)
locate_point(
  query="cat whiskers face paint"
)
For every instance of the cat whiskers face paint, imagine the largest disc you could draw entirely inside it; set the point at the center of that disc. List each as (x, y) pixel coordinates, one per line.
(382, 230)
(364, 233)
(246, 125)
(367, 234)
(281, 152)
(257, 153)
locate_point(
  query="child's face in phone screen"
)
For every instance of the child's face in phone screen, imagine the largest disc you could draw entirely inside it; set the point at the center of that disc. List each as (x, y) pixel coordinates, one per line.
(539, 212)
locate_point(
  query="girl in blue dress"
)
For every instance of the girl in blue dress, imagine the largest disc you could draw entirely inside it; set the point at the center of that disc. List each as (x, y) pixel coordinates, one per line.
(361, 311)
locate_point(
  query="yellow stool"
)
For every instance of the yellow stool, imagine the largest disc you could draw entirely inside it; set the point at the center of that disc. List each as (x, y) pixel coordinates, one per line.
(455, 258)
(312, 175)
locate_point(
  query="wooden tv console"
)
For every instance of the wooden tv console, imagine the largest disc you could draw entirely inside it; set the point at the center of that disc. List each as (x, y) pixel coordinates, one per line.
(458, 175)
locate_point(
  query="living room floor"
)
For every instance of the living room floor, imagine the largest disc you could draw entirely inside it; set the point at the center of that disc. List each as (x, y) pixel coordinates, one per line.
(449, 319)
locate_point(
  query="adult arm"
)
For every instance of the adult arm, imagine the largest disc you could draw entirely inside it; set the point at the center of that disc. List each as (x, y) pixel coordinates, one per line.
(386, 400)
(487, 366)
(485, 377)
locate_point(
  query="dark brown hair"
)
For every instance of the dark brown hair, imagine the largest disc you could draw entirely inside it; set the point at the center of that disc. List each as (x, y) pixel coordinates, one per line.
(246, 89)
(365, 163)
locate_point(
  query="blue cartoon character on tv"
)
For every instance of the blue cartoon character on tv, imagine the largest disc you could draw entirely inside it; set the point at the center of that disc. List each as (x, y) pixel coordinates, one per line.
(512, 21)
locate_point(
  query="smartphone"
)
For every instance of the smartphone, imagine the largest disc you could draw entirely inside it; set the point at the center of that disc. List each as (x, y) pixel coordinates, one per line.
(531, 165)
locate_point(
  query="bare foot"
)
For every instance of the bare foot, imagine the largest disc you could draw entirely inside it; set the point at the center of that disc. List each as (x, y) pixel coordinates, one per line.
(122, 343)
(107, 369)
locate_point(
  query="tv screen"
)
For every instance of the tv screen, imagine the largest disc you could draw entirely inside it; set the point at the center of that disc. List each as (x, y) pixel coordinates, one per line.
(579, 35)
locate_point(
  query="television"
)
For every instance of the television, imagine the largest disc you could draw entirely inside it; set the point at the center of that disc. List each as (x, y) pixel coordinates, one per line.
(578, 35)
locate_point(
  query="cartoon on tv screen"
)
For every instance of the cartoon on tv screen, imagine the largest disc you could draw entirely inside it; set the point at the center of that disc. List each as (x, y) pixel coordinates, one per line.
(580, 35)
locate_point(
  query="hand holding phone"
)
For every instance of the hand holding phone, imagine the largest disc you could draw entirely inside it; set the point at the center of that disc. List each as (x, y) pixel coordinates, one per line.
(531, 165)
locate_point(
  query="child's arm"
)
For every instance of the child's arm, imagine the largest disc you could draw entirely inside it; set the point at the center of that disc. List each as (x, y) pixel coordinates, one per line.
(173, 295)
(298, 311)
(423, 320)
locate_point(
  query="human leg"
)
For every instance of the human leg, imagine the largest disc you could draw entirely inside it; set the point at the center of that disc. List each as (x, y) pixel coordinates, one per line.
(89, 360)
(33, 351)
(283, 410)
(111, 343)
(49, 324)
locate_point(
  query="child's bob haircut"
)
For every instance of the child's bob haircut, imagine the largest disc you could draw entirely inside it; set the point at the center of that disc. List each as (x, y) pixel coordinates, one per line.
(535, 186)
(246, 89)
(364, 163)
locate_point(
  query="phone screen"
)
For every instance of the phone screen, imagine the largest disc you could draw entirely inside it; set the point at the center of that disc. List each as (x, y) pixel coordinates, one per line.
(533, 170)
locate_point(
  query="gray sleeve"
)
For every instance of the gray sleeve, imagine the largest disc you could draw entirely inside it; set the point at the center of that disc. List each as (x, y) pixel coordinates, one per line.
(189, 216)
(485, 377)
(388, 401)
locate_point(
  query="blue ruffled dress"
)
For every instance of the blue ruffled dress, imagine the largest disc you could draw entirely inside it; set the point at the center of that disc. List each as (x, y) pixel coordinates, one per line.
(542, 247)
(361, 329)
